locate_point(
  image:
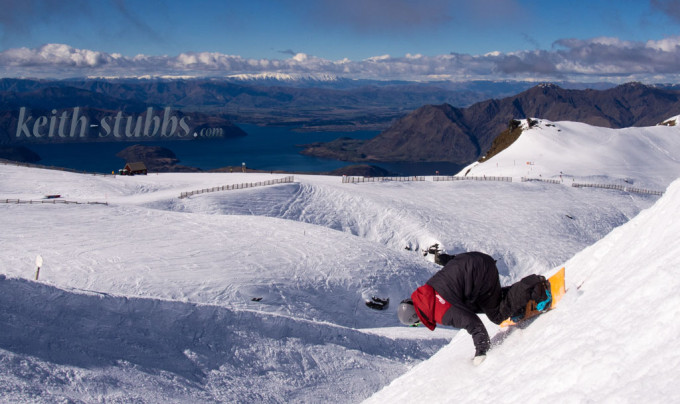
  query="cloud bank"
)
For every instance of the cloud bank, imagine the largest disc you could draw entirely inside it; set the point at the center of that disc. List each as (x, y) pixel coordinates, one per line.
(596, 59)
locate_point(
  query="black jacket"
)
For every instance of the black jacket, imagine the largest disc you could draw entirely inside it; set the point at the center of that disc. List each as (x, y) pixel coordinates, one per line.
(470, 283)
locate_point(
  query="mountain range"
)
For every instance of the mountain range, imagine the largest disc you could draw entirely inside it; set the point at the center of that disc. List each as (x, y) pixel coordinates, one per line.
(420, 122)
(444, 133)
(308, 102)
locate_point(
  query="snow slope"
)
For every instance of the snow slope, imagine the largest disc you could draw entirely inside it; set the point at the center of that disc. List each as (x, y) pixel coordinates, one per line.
(572, 151)
(257, 294)
(611, 339)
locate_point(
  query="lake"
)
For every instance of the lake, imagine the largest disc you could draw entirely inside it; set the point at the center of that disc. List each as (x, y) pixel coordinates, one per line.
(265, 148)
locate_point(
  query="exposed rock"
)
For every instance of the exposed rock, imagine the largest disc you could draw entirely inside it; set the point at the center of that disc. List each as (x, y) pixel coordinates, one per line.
(672, 121)
(505, 139)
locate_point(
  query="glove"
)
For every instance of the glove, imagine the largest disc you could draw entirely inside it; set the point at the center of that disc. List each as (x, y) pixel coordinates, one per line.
(477, 360)
(541, 295)
(538, 292)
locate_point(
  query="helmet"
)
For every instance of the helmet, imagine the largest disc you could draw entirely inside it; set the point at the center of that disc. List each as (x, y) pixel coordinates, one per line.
(407, 313)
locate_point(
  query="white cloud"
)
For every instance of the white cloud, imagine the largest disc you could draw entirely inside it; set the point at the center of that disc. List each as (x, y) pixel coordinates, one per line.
(665, 45)
(596, 59)
(53, 55)
(300, 57)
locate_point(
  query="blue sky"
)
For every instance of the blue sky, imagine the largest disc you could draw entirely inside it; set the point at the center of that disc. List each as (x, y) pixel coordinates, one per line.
(594, 40)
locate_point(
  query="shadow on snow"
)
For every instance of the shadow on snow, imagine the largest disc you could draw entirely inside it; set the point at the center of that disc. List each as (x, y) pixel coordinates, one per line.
(96, 330)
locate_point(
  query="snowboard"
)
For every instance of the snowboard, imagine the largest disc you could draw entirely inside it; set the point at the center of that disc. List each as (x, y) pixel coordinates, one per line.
(557, 290)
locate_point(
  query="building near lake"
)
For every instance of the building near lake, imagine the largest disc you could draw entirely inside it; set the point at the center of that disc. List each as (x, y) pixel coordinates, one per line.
(137, 168)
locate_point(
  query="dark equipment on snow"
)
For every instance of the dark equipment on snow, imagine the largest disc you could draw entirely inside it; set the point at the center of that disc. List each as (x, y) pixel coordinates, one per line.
(440, 258)
(377, 303)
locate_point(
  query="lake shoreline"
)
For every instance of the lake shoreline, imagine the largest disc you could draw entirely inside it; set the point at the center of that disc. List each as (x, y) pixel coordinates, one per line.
(264, 149)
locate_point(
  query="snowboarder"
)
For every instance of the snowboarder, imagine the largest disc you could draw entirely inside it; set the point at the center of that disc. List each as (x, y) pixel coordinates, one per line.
(468, 284)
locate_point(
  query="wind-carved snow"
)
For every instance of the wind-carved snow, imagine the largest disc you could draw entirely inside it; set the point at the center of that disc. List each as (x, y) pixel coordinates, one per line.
(258, 294)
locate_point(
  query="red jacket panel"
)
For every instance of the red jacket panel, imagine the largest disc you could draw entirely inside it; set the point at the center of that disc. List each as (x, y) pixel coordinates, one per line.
(430, 307)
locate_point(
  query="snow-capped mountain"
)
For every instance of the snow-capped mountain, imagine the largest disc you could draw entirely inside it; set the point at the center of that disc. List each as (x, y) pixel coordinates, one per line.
(286, 77)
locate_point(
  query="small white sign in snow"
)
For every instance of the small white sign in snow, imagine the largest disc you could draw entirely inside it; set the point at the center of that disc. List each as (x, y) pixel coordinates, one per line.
(38, 264)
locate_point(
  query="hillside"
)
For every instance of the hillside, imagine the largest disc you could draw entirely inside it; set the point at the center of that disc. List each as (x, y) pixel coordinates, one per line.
(257, 294)
(462, 135)
(155, 158)
(549, 150)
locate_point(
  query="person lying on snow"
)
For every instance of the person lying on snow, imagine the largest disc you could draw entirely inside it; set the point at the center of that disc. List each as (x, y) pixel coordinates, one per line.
(468, 284)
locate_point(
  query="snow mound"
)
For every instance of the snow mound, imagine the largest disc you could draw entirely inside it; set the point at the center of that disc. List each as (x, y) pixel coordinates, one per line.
(609, 340)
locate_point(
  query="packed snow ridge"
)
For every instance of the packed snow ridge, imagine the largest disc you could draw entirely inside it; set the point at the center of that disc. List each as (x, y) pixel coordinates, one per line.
(258, 294)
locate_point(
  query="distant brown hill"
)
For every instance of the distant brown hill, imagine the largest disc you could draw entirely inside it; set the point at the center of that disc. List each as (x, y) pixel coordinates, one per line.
(442, 133)
(156, 158)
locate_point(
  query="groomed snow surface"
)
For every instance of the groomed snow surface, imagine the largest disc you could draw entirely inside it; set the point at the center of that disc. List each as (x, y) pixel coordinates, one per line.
(257, 295)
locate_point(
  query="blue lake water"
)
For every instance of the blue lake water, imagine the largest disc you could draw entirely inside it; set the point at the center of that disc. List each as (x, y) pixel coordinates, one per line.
(265, 148)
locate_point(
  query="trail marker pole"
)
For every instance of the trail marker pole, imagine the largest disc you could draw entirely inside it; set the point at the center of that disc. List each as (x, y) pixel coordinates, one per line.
(38, 264)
